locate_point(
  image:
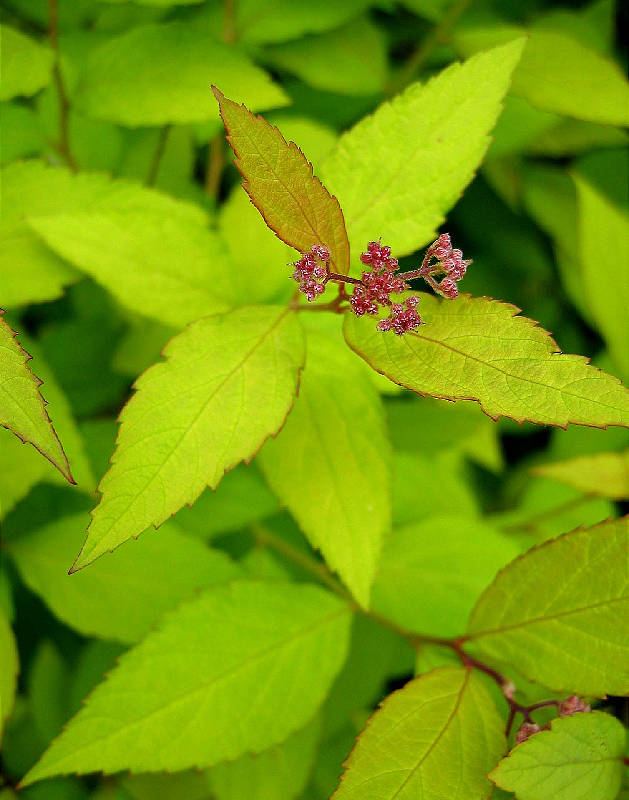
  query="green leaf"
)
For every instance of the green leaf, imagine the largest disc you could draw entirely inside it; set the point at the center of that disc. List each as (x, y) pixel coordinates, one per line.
(282, 186)
(21, 133)
(22, 407)
(398, 171)
(159, 74)
(572, 136)
(47, 682)
(279, 773)
(122, 597)
(560, 612)
(198, 703)
(605, 280)
(172, 270)
(604, 474)
(9, 666)
(332, 473)
(475, 348)
(558, 73)
(435, 738)
(283, 20)
(356, 44)
(579, 758)
(26, 64)
(227, 383)
(31, 271)
(431, 573)
(20, 469)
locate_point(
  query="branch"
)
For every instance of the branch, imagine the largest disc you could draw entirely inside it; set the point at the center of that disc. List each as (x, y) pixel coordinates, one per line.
(64, 105)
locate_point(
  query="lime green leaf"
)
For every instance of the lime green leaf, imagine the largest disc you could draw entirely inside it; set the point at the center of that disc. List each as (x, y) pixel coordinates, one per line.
(227, 383)
(31, 271)
(437, 737)
(431, 573)
(282, 186)
(8, 669)
(279, 773)
(475, 348)
(170, 269)
(22, 408)
(561, 612)
(332, 474)
(158, 74)
(357, 43)
(20, 469)
(282, 20)
(604, 474)
(579, 758)
(558, 73)
(122, 597)
(572, 136)
(397, 172)
(193, 688)
(605, 280)
(26, 64)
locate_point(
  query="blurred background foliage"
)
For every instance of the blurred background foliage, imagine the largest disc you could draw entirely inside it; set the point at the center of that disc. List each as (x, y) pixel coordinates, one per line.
(122, 88)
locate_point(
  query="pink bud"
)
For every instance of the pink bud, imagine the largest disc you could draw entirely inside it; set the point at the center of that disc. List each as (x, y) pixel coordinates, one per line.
(573, 705)
(448, 288)
(527, 729)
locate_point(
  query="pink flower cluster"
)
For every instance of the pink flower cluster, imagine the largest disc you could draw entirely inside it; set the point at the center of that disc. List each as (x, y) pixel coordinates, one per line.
(449, 262)
(376, 287)
(311, 271)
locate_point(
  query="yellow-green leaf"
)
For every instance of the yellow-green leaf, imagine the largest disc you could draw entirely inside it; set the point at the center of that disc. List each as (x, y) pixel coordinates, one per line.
(26, 64)
(227, 384)
(475, 348)
(604, 474)
(22, 407)
(398, 171)
(561, 613)
(189, 695)
(281, 184)
(436, 738)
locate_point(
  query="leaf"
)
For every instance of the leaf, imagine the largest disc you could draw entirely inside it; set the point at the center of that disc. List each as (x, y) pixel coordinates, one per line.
(227, 383)
(283, 20)
(159, 74)
(282, 186)
(431, 573)
(604, 474)
(20, 469)
(275, 649)
(332, 473)
(558, 73)
(605, 280)
(21, 133)
(31, 271)
(475, 348)
(579, 758)
(355, 44)
(9, 665)
(435, 738)
(172, 270)
(279, 773)
(26, 64)
(119, 598)
(22, 407)
(398, 171)
(560, 612)
(47, 681)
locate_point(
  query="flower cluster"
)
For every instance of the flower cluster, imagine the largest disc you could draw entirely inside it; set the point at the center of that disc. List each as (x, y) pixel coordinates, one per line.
(311, 271)
(376, 287)
(566, 708)
(403, 317)
(447, 262)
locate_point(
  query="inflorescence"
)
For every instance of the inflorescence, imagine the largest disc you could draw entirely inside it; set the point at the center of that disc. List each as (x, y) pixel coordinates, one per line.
(373, 291)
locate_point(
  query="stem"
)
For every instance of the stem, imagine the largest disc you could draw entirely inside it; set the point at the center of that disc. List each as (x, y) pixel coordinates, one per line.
(334, 276)
(63, 145)
(216, 150)
(437, 36)
(531, 523)
(157, 155)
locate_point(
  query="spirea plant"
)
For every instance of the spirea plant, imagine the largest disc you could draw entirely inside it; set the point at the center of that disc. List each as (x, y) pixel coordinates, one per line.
(340, 598)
